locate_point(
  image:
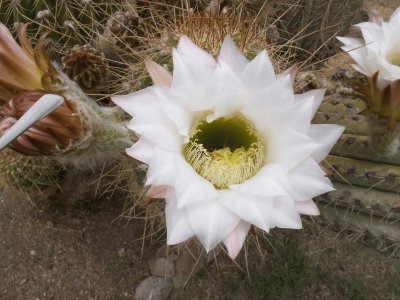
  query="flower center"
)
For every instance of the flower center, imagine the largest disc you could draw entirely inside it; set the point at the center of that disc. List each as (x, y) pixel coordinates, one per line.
(225, 151)
(394, 58)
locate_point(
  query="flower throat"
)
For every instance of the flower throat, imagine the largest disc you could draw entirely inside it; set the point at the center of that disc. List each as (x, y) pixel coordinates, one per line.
(225, 151)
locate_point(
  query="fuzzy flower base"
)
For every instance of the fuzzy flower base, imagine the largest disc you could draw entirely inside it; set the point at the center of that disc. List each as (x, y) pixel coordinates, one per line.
(229, 145)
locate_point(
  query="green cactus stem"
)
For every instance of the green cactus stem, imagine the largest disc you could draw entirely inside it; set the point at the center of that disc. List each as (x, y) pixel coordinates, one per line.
(361, 225)
(360, 147)
(28, 174)
(365, 173)
(342, 105)
(313, 24)
(355, 124)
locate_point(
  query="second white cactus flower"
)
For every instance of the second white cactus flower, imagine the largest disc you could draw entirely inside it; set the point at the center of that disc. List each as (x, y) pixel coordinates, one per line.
(379, 51)
(230, 144)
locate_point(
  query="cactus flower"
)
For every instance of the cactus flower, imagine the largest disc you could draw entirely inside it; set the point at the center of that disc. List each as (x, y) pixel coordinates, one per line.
(22, 67)
(229, 144)
(379, 50)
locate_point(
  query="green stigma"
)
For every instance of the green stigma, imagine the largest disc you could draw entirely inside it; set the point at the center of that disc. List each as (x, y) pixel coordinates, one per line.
(225, 151)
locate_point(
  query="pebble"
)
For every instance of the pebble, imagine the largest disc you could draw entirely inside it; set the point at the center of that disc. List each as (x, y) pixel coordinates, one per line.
(162, 267)
(154, 288)
(122, 253)
(33, 253)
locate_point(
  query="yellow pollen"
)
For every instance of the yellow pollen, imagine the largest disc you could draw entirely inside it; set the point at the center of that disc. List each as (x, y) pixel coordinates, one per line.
(394, 58)
(225, 151)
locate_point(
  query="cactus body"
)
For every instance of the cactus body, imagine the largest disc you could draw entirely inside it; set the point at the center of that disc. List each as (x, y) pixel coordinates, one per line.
(313, 24)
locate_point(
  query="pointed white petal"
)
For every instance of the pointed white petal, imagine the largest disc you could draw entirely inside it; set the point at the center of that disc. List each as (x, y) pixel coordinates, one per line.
(316, 96)
(157, 73)
(289, 148)
(161, 167)
(190, 187)
(350, 43)
(178, 226)
(151, 118)
(395, 18)
(157, 192)
(297, 118)
(270, 181)
(191, 51)
(176, 110)
(253, 209)
(292, 71)
(231, 55)
(284, 214)
(326, 135)
(309, 180)
(226, 91)
(190, 75)
(235, 240)
(307, 208)
(211, 222)
(43, 107)
(258, 73)
(136, 102)
(142, 150)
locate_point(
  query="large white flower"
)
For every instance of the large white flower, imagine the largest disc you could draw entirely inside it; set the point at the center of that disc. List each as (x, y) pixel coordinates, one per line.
(231, 143)
(380, 49)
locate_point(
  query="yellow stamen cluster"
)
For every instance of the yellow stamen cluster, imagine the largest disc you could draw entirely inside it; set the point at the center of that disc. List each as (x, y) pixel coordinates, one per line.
(225, 151)
(394, 58)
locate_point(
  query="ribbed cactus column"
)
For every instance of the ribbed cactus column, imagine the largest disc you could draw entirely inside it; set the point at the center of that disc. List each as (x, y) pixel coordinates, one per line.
(365, 165)
(313, 24)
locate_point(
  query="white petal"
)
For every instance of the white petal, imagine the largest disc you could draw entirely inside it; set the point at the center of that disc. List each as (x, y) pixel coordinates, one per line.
(189, 74)
(298, 118)
(277, 96)
(253, 209)
(289, 148)
(284, 214)
(157, 192)
(235, 240)
(316, 96)
(157, 73)
(176, 110)
(211, 222)
(270, 181)
(309, 180)
(133, 103)
(190, 187)
(162, 167)
(258, 73)
(307, 208)
(350, 43)
(187, 48)
(142, 150)
(326, 135)
(232, 56)
(226, 91)
(371, 32)
(395, 18)
(292, 71)
(178, 226)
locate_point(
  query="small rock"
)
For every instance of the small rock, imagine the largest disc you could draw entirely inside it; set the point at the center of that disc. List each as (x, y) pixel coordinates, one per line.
(162, 267)
(23, 281)
(154, 288)
(122, 253)
(33, 253)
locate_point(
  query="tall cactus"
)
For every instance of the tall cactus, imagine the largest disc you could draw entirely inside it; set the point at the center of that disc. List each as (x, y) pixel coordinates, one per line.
(68, 21)
(313, 24)
(366, 203)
